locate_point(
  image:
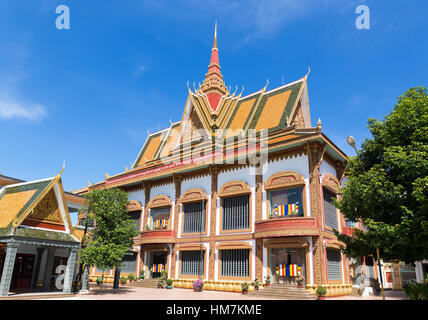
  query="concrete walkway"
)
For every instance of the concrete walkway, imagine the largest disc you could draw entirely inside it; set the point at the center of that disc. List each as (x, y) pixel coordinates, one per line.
(136, 293)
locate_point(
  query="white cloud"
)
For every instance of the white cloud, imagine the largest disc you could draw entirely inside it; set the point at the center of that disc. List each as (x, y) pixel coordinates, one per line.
(10, 108)
(139, 71)
(257, 19)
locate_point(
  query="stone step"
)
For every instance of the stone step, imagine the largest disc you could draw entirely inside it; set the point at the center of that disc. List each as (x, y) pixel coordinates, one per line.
(284, 292)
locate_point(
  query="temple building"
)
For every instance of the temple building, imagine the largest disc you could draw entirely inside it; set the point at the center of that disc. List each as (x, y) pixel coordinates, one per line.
(38, 245)
(240, 188)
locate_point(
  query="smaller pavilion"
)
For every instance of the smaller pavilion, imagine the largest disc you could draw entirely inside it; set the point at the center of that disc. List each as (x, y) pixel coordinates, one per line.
(38, 247)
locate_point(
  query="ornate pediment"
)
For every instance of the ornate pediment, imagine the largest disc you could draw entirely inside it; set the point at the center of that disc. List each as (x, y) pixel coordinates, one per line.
(284, 179)
(235, 187)
(47, 212)
(193, 195)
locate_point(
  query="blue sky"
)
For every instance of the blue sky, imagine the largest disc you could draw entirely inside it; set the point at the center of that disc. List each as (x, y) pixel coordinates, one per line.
(89, 95)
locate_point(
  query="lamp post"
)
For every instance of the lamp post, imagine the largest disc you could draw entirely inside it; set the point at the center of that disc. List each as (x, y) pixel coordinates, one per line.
(351, 141)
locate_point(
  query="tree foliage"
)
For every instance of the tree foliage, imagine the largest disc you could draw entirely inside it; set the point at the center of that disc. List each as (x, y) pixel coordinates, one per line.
(388, 188)
(112, 236)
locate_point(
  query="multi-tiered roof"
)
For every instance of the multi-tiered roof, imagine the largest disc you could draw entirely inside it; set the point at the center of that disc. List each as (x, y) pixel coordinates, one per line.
(213, 115)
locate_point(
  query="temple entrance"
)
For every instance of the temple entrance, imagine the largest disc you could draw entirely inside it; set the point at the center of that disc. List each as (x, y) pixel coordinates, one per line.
(157, 264)
(286, 265)
(22, 272)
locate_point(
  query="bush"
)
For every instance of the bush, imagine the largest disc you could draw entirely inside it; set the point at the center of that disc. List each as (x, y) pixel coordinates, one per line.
(169, 282)
(256, 283)
(244, 286)
(416, 291)
(161, 282)
(132, 277)
(198, 285)
(123, 279)
(321, 291)
(164, 274)
(99, 280)
(142, 272)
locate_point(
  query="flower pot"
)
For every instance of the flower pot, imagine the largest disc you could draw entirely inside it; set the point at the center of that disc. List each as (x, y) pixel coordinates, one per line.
(159, 286)
(197, 290)
(256, 287)
(321, 298)
(244, 292)
(267, 284)
(300, 285)
(169, 287)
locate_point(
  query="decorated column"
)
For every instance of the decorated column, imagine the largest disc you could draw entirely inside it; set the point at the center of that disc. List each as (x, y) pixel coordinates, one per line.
(315, 153)
(69, 272)
(177, 184)
(213, 220)
(9, 262)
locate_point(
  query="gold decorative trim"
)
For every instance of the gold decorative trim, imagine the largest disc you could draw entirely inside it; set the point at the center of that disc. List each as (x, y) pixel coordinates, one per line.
(284, 179)
(134, 205)
(160, 200)
(233, 188)
(193, 195)
(233, 245)
(330, 182)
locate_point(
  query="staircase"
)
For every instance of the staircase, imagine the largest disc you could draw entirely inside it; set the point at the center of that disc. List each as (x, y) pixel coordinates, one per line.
(356, 292)
(275, 291)
(146, 283)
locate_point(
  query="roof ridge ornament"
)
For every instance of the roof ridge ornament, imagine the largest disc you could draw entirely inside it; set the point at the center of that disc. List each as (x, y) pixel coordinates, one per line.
(267, 83)
(62, 170)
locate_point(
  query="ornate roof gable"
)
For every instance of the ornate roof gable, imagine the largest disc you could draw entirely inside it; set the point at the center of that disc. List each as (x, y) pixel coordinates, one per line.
(36, 204)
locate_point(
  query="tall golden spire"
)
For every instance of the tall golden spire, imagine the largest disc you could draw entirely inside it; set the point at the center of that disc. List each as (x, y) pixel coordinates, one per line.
(213, 85)
(215, 36)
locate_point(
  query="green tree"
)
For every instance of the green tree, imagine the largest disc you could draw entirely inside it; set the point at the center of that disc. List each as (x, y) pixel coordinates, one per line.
(112, 235)
(387, 186)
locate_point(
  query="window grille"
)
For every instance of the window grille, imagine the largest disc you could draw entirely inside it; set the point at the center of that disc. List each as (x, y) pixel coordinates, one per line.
(236, 212)
(194, 217)
(136, 215)
(235, 263)
(192, 262)
(333, 264)
(286, 203)
(129, 263)
(330, 211)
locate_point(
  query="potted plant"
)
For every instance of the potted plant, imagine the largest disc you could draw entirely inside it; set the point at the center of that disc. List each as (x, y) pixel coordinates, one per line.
(244, 287)
(256, 284)
(321, 292)
(131, 277)
(300, 280)
(198, 285)
(99, 280)
(161, 283)
(267, 281)
(169, 283)
(123, 280)
(142, 272)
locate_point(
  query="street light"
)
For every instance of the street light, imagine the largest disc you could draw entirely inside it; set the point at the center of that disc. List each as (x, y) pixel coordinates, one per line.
(351, 141)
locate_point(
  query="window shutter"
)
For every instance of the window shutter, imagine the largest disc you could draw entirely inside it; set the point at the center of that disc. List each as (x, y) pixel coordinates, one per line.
(236, 213)
(235, 263)
(333, 264)
(194, 217)
(192, 262)
(330, 211)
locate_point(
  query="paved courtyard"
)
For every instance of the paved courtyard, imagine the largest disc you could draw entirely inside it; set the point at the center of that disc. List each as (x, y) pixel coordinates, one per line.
(135, 293)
